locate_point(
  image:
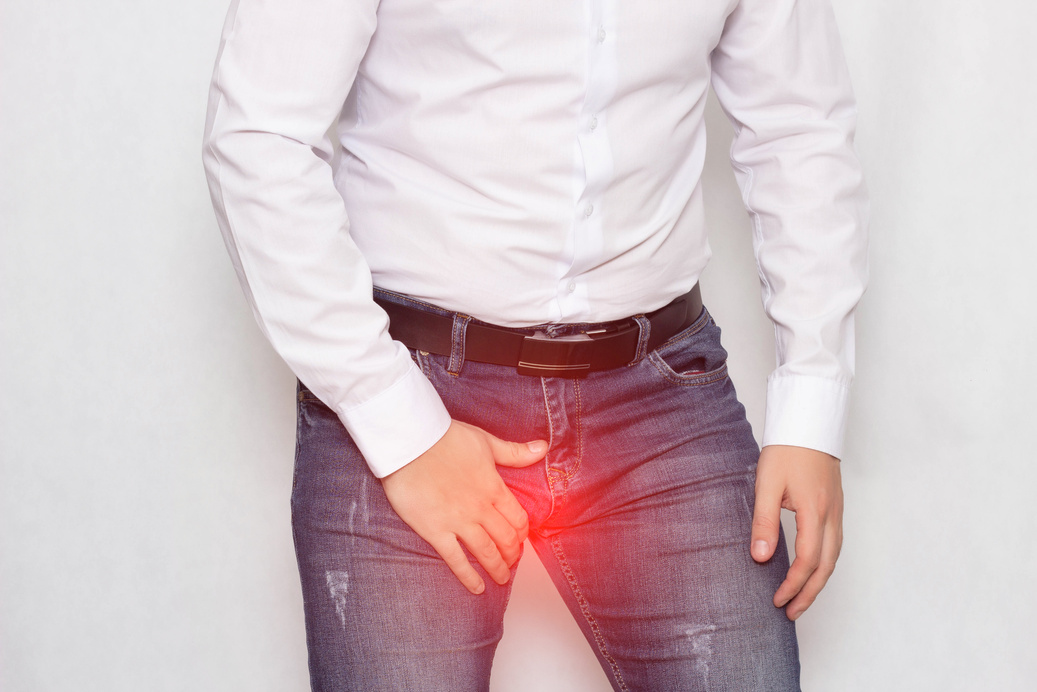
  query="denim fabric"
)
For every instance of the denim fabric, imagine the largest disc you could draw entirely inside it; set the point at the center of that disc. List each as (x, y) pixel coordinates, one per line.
(641, 513)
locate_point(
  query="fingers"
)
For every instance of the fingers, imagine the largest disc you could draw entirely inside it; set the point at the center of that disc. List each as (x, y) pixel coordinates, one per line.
(449, 549)
(766, 519)
(453, 495)
(831, 543)
(496, 546)
(516, 454)
(809, 533)
(504, 536)
(818, 541)
(807, 482)
(485, 551)
(512, 511)
(496, 549)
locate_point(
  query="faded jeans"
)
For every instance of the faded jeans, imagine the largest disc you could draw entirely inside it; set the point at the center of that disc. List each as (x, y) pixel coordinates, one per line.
(641, 514)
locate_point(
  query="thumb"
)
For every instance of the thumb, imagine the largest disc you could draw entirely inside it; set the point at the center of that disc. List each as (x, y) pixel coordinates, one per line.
(766, 521)
(516, 454)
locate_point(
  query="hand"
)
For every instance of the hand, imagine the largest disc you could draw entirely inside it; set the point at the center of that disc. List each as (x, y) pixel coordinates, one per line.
(453, 493)
(807, 482)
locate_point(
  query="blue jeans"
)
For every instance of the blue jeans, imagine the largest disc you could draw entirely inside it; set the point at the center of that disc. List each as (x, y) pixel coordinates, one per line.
(641, 514)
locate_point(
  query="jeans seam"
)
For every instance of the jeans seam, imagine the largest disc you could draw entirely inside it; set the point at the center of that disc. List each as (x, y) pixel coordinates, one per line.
(579, 432)
(599, 639)
(550, 444)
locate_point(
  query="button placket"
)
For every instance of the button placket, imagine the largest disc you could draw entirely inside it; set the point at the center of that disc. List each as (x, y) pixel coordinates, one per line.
(595, 171)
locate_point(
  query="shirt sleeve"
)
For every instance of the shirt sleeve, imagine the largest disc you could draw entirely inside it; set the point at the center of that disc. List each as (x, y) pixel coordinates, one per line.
(780, 75)
(282, 76)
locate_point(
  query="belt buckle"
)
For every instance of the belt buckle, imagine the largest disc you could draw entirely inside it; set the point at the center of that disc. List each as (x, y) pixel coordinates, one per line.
(543, 356)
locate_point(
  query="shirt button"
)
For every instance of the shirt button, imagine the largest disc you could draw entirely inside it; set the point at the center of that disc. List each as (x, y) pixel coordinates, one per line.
(588, 210)
(593, 124)
(571, 286)
(601, 34)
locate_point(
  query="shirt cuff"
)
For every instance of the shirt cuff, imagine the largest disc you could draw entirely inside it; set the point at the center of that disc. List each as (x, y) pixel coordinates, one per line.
(806, 411)
(399, 425)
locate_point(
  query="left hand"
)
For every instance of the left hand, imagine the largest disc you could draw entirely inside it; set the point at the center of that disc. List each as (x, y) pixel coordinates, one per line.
(807, 482)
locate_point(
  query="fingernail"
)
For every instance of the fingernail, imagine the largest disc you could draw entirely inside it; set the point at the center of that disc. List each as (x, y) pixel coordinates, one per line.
(760, 549)
(538, 447)
(479, 589)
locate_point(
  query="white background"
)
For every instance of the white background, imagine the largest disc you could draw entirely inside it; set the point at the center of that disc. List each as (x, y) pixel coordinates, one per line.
(147, 430)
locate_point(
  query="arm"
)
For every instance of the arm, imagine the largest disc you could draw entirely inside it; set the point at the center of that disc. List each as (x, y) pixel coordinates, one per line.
(282, 75)
(780, 75)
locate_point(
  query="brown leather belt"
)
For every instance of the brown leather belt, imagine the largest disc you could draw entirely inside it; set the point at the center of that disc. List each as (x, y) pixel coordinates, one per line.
(603, 347)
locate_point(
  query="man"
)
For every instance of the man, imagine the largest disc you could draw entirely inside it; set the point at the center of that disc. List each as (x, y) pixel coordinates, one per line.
(489, 295)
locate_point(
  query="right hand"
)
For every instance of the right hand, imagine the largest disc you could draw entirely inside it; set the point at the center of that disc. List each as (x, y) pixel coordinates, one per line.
(453, 493)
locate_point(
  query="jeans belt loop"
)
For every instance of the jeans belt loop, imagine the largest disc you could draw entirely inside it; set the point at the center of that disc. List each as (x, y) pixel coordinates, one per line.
(642, 342)
(457, 343)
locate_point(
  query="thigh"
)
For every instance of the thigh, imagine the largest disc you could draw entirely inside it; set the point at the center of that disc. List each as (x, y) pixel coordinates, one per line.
(650, 543)
(383, 612)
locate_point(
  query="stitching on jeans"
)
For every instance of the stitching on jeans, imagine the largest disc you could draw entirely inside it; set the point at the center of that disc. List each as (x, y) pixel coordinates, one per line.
(550, 444)
(599, 639)
(579, 431)
(696, 380)
(423, 364)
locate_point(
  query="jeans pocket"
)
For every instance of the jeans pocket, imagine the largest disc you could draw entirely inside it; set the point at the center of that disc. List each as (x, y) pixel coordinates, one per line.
(694, 356)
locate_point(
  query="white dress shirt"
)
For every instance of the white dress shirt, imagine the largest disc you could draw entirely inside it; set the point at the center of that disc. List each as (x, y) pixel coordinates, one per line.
(529, 162)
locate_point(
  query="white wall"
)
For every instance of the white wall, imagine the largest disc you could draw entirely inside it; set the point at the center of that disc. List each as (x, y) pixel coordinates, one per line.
(146, 429)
